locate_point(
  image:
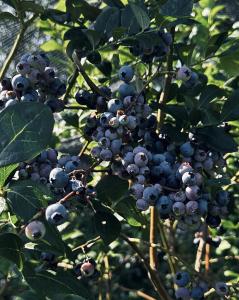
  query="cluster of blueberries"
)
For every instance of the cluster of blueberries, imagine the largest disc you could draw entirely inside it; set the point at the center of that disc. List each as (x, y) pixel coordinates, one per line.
(157, 50)
(188, 290)
(162, 174)
(35, 81)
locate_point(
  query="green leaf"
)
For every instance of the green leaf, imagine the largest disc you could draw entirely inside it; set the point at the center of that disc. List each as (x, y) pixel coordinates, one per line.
(115, 3)
(218, 181)
(177, 8)
(51, 45)
(7, 15)
(127, 209)
(230, 109)
(111, 188)
(11, 247)
(26, 130)
(93, 36)
(209, 93)
(71, 118)
(50, 284)
(141, 16)
(107, 226)
(229, 61)
(215, 42)
(90, 12)
(217, 138)
(129, 21)
(27, 197)
(5, 172)
(107, 21)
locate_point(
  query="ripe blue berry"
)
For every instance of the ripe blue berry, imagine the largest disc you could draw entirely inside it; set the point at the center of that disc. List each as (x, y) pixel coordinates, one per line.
(164, 205)
(221, 288)
(182, 278)
(56, 214)
(35, 230)
(141, 204)
(126, 73)
(187, 149)
(182, 294)
(58, 178)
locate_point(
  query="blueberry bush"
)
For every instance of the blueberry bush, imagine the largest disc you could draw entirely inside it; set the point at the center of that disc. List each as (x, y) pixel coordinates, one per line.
(142, 200)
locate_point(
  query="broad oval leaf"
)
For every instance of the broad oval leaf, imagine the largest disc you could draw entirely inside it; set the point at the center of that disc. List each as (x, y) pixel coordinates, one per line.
(11, 248)
(141, 16)
(177, 8)
(60, 283)
(230, 110)
(26, 198)
(26, 130)
(5, 173)
(111, 188)
(108, 20)
(107, 225)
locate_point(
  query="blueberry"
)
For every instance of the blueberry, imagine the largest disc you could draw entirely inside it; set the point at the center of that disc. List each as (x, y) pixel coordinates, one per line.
(115, 146)
(191, 207)
(179, 208)
(71, 166)
(183, 73)
(126, 73)
(58, 178)
(132, 122)
(36, 61)
(187, 149)
(49, 74)
(132, 169)
(20, 83)
(57, 87)
(213, 221)
(56, 214)
(182, 294)
(83, 97)
(114, 105)
(202, 207)
(52, 155)
(182, 278)
(137, 190)
(221, 288)
(179, 196)
(184, 167)
(95, 151)
(197, 293)
(141, 204)
(164, 205)
(48, 257)
(5, 84)
(192, 81)
(141, 159)
(208, 164)
(35, 230)
(30, 97)
(106, 154)
(126, 89)
(189, 178)
(23, 68)
(222, 198)
(192, 192)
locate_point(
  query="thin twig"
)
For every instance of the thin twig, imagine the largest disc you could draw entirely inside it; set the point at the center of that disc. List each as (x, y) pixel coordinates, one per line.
(90, 83)
(155, 280)
(168, 78)
(72, 82)
(138, 293)
(107, 277)
(152, 238)
(87, 245)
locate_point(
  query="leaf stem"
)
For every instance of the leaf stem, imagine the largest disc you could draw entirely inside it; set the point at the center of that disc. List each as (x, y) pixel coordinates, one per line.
(138, 293)
(107, 277)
